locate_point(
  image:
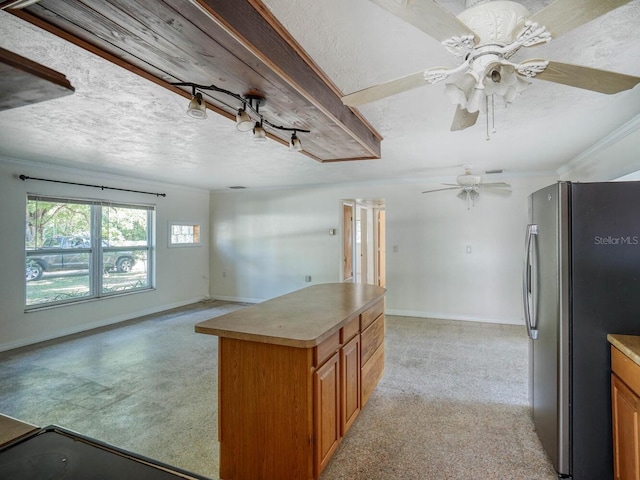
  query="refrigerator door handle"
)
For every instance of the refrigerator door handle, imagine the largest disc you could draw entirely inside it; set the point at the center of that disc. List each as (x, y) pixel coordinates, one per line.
(532, 330)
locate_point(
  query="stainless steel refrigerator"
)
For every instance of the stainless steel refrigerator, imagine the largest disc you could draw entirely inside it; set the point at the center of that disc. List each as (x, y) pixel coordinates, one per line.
(581, 282)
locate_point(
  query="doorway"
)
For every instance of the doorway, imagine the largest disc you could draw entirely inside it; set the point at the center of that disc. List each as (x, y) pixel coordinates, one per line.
(363, 241)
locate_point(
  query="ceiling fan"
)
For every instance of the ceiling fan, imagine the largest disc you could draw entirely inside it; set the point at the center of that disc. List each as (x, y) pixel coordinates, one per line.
(470, 186)
(483, 38)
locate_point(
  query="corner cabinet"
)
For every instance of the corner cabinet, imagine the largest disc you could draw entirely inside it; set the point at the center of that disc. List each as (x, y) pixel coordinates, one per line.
(625, 403)
(286, 401)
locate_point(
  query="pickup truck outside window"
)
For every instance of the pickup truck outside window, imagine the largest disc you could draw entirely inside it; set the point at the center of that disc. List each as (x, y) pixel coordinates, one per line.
(79, 249)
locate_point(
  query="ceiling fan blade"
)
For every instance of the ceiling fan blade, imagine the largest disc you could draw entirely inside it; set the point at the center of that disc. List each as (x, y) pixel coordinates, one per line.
(463, 119)
(383, 90)
(602, 81)
(497, 191)
(428, 16)
(440, 189)
(496, 185)
(562, 16)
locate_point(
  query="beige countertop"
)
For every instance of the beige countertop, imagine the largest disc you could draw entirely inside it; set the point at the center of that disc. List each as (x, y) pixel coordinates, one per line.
(299, 319)
(627, 344)
(12, 429)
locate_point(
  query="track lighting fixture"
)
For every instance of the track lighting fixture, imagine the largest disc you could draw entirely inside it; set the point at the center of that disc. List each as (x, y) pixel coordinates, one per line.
(248, 116)
(259, 134)
(294, 143)
(197, 108)
(243, 121)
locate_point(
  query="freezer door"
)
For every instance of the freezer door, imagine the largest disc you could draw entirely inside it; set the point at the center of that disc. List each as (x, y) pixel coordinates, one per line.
(549, 351)
(605, 299)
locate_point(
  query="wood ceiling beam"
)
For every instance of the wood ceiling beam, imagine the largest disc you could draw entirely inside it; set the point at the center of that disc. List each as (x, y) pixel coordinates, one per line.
(239, 43)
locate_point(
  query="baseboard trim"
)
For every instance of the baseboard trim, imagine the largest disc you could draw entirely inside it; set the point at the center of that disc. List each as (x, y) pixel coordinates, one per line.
(92, 326)
(237, 299)
(449, 316)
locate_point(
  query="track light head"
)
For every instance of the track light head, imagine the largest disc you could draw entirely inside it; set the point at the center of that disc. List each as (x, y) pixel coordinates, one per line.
(259, 134)
(250, 102)
(243, 120)
(197, 107)
(294, 143)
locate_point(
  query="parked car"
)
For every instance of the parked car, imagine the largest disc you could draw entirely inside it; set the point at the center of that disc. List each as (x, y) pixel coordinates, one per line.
(39, 261)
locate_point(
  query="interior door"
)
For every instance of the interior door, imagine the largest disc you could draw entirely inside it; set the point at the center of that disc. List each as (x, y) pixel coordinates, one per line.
(347, 242)
(363, 257)
(381, 254)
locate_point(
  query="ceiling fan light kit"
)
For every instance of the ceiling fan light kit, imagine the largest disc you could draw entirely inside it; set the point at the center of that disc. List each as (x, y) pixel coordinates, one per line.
(470, 185)
(248, 116)
(483, 38)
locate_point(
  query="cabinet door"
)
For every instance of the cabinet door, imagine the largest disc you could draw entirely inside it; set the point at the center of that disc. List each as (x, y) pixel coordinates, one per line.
(626, 433)
(350, 370)
(327, 411)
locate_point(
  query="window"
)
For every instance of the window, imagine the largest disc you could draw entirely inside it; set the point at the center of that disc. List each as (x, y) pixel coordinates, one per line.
(184, 234)
(80, 249)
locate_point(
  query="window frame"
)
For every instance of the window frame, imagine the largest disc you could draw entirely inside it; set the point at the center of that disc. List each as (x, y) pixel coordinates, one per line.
(170, 242)
(97, 249)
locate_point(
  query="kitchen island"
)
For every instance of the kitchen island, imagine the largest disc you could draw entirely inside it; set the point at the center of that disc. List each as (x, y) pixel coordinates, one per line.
(293, 374)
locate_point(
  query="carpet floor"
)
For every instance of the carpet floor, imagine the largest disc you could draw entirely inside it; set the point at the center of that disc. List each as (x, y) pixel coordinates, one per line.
(452, 404)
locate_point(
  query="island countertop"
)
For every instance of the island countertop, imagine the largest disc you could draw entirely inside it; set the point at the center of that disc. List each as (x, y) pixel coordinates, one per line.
(12, 429)
(303, 318)
(627, 344)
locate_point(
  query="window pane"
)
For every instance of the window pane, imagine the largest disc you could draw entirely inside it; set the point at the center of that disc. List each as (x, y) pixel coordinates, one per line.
(124, 271)
(182, 234)
(124, 226)
(124, 248)
(66, 261)
(58, 251)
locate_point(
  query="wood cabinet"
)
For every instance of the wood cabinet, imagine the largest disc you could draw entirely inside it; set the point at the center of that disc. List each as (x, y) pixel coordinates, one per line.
(372, 351)
(286, 401)
(337, 398)
(625, 402)
(327, 411)
(350, 383)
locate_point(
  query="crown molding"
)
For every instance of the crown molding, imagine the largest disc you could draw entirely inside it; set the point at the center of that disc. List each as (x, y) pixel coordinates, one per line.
(586, 157)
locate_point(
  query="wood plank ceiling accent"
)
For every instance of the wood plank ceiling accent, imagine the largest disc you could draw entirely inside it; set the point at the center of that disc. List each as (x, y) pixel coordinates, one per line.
(24, 82)
(237, 45)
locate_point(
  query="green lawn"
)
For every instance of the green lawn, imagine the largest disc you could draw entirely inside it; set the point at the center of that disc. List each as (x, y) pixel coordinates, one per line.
(60, 286)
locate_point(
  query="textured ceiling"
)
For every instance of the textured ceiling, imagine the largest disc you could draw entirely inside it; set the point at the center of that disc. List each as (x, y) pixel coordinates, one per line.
(119, 123)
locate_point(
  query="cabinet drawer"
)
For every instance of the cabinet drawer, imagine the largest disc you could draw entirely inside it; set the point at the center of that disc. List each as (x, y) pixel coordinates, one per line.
(625, 369)
(350, 329)
(371, 314)
(325, 349)
(371, 373)
(371, 339)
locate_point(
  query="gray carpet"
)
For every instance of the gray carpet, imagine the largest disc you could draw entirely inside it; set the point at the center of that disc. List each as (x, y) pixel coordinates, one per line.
(452, 403)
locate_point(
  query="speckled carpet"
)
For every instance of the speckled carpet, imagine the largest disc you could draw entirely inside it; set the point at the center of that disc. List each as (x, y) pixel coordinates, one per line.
(452, 403)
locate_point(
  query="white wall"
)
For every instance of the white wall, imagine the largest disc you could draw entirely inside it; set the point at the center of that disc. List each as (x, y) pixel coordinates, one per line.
(182, 273)
(616, 155)
(265, 242)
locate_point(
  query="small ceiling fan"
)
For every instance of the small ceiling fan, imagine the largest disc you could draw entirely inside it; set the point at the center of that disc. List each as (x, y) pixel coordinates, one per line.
(483, 38)
(470, 186)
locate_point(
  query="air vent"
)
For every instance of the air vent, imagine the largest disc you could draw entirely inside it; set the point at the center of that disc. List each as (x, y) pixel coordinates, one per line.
(237, 187)
(490, 172)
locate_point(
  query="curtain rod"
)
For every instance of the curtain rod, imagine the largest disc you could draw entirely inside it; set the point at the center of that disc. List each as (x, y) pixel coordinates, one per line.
(102, 187)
